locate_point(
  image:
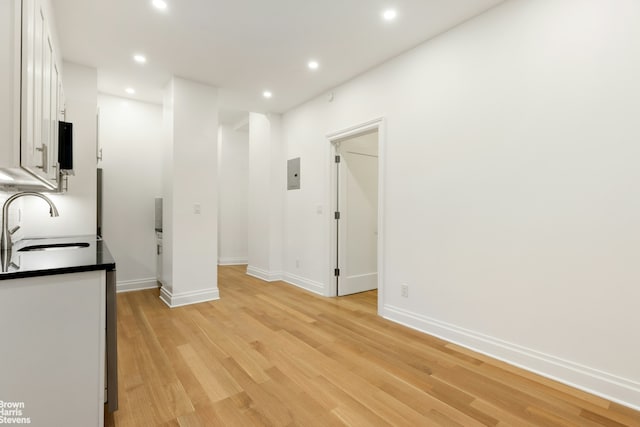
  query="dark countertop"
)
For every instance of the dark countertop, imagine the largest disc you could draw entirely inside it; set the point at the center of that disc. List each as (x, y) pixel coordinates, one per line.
(60, 261)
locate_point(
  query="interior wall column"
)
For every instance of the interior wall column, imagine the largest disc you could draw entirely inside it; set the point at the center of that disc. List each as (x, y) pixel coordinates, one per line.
(266, 196)
(190, 211)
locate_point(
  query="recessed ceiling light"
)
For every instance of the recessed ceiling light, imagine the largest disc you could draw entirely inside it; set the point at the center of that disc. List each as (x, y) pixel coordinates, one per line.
(267, 94)
(140, 59)
(313, 65)
(159, 4)
(389, 14)
(130, 91)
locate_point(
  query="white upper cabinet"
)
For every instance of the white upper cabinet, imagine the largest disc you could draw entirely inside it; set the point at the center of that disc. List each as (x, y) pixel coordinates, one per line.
(40, 93)
(31, 81)
(10, 36)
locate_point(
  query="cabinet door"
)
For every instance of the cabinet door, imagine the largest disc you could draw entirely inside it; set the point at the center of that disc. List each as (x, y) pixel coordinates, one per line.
(45, 103)
(57, 351)
(62, 107)
(33, 76)
(52, 113)
(10, 54)
(37, 155)
(55, 109)
(40, 88)
(27, 139)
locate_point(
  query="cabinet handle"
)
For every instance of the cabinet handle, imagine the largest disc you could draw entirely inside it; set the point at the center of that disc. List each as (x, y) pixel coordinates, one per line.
(43, 150)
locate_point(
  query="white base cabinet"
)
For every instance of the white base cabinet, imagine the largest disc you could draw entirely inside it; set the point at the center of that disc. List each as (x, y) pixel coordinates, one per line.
(53, 348)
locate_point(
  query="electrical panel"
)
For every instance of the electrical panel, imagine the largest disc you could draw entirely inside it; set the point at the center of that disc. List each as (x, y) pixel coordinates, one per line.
(293, 174)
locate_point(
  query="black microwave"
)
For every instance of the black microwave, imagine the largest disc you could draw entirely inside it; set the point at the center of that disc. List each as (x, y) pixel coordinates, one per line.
(65, 146)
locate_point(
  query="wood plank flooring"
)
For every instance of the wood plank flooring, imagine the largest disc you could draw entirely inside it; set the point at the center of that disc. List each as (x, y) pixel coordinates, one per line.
(269, 354)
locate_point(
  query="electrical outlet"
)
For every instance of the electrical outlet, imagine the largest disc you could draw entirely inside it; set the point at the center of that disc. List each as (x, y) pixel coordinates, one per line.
(404, 290)
(197, 208)
(297, 263)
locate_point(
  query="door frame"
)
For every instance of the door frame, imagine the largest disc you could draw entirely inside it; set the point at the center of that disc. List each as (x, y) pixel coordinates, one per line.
(377, 124)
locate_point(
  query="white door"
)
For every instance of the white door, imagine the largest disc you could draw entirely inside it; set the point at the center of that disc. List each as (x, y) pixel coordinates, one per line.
(358, 221)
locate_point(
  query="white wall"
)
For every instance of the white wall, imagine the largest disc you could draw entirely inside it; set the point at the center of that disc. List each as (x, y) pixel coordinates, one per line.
(259, 182)
(131, 141)
(15, 213)
(190, 204)
(266, 186)
(77, 207)
(233, 187)
(510, 205)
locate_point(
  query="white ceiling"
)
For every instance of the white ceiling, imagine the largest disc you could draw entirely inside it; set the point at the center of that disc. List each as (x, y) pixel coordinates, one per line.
(246, 46)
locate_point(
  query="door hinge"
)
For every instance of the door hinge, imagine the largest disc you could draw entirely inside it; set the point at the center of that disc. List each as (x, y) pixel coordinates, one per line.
(336, 272)
(337, 215)
(337, 159)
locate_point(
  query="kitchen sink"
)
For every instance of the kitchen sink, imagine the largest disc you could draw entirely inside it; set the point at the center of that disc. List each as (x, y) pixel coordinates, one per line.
(54, 247)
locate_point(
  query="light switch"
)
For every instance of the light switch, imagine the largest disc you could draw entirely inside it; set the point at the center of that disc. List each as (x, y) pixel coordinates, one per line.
(319, 209)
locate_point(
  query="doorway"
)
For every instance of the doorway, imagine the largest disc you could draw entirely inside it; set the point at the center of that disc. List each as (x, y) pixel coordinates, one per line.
(357, 201)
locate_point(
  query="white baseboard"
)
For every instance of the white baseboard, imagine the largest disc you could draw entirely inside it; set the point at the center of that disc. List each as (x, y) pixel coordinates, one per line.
(136, 285)
(188, 298)
(306, 284)
(233, 261)
(611, 387)
(267, 276)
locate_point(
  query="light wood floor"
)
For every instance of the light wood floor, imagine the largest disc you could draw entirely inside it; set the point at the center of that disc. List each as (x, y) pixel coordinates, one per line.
(269, 354)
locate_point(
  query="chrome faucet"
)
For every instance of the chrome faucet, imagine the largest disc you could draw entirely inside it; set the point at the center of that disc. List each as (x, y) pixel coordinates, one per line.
(5, 242)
